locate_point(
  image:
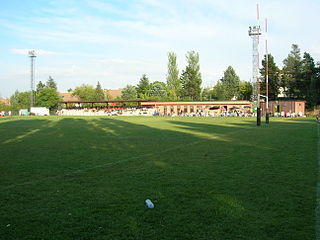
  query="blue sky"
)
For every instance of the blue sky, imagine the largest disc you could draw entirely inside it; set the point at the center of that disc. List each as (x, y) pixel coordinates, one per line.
(116, 41)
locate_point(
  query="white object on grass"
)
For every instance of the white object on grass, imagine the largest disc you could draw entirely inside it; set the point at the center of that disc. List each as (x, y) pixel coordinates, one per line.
(149, 203)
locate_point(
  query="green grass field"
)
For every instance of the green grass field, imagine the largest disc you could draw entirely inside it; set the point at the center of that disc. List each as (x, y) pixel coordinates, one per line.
(210, 178)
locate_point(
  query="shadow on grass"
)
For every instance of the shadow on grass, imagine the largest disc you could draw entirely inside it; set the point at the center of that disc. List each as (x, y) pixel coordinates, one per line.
(87, 178)
(15, 129)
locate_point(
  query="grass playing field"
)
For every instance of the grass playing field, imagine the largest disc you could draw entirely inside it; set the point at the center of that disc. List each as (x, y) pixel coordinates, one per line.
(210, 178)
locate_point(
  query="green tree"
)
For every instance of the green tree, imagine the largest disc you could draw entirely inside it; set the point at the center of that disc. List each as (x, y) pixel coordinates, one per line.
(99, 93)
(4, 107)
(129, 93)
(231, 83)
(173, 81)
(245, 90)
(143, 87)
(40, 86)
(51, 83)
(219, 91)
(274, 81)
(191, 77)
(308, 80)
(207, 94)
(291, 73)
(20, 100)
(317, 83)
(47, 97)
(158, 90)
(85, 92)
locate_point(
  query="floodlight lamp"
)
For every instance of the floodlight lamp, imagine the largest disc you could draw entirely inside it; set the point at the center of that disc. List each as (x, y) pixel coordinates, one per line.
(32, 53)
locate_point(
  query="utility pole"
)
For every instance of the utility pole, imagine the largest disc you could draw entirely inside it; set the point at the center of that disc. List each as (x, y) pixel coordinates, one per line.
(32, 55)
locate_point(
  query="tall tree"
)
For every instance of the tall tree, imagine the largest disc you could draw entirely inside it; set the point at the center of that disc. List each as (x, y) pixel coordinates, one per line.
(129, 93)
(231, 82)
(191, 77)
(291, 73)
(158, 90)
(99, 93)
(274, 81)
(47, 97)
(85, 92)
(173, 81)
(143, 87)
(40, 86)
(308, 80)
(51, 83)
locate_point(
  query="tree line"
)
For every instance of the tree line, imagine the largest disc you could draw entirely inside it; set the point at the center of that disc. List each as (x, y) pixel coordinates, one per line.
(45, 95)
(187, 86)
(299, 78)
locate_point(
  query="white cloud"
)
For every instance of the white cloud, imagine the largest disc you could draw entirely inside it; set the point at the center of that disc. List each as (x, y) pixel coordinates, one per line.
(115, 42)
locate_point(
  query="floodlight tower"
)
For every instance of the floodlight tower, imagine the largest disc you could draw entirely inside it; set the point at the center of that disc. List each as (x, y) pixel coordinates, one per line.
(267, 71)
(32, 55)
(254, 33)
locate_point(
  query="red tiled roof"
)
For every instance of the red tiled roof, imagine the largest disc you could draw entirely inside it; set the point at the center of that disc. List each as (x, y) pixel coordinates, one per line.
(5, 100)
(113, 93)
(68, 97)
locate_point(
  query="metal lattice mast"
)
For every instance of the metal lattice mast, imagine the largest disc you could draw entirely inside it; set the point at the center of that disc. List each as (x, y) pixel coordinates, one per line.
(254, 33)
(32, 56)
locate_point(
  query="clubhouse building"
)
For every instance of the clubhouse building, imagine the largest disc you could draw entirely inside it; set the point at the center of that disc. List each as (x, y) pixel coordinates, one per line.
(236, 107)
(193, 107)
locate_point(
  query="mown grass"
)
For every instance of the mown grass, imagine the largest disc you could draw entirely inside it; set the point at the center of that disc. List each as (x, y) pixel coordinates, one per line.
(209, 178)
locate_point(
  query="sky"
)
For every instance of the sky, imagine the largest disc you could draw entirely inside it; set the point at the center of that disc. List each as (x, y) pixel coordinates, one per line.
(116, 41)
